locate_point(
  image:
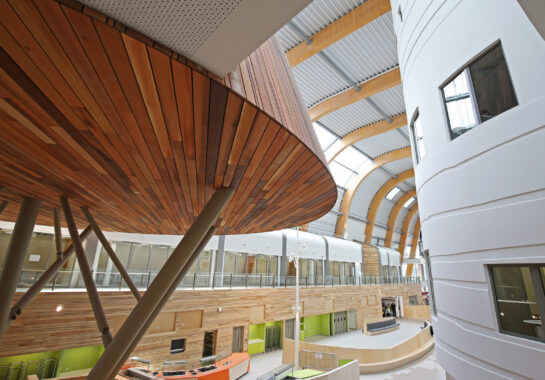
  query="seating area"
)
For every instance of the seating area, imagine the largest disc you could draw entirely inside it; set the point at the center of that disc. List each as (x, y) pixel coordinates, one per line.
(379, 327)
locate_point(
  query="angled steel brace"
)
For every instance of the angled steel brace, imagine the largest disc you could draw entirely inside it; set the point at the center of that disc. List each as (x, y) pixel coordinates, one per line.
(15, 257)
(166, 297)
(127, 337)
(3, 206)
(100, 317)
(58, 233)
(35, 289)
(111, 253)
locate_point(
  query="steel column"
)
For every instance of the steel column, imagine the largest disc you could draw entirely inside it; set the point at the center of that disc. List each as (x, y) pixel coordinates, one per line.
(109, 363)
(3, 206)
(15, 257)
(35, 289)
(100, 317)
(58, 233)
(165, 298)
(111, 253)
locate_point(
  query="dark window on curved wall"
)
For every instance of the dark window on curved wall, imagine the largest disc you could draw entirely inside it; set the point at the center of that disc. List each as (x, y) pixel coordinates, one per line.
(478, 92)
(520, 299)
(418, 137)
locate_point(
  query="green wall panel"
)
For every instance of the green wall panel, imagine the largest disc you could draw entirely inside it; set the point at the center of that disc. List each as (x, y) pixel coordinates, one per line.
(74, 359)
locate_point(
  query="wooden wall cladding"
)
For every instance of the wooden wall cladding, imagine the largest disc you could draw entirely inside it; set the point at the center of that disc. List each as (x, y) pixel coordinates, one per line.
(97, 112)
(371, 260)
(41, 328)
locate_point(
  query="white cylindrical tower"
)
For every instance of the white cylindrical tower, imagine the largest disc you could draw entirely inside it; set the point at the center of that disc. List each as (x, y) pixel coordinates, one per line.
(474, 83)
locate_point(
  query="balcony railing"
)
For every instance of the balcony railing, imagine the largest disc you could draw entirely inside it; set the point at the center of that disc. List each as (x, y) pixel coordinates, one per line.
(113, 280)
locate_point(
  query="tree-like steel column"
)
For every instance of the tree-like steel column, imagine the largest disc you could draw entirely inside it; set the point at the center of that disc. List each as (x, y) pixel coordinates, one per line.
(100, 317)
(15, 257)
(35, 289)
(110, 361)
(111, 253)
(58, 233)
(166, 297)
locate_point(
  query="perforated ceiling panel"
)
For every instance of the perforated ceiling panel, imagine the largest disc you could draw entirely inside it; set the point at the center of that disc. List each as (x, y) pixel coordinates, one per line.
(216, 34)
(181, 25)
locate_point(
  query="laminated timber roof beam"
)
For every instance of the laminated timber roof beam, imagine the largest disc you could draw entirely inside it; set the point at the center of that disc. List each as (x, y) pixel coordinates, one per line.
(342, 27)
(414, 245)
(378, 198)
(355, 183)
(392, 219)
(359, 134)
(369, 88)
(405, 229)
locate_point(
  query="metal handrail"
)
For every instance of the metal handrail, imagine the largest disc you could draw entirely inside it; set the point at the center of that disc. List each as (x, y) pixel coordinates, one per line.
(72, 279)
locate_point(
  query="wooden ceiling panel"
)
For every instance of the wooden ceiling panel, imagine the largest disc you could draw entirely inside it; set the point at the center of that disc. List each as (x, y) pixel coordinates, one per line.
(94, 111)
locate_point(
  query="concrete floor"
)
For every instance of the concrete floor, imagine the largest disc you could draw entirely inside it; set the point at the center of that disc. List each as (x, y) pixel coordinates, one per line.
(356, 338)
(425, 368)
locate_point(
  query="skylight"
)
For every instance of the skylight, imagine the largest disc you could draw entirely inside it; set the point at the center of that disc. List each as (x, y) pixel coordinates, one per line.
(409, 202)
(351, 158)
(341, 174)
(391, 195)
(325, 137)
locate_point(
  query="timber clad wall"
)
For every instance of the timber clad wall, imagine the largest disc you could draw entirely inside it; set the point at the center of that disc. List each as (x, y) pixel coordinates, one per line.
(370, 258)
(188, 314)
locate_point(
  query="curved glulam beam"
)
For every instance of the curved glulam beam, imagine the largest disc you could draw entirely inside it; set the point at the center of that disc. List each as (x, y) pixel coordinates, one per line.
(356, 182)
(392, 219)
(405, 229)
(379, 197)
(371, 87)
(350, 22)
(364, 133)
(414, 244)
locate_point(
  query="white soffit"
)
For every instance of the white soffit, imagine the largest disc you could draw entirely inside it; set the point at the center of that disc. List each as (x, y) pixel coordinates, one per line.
(216, 34)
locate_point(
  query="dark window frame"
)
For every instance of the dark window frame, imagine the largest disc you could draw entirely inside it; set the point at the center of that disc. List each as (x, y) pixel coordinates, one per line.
(539, 291)
(177, 350)
(472, 96)
(427, 257)
(417, 153)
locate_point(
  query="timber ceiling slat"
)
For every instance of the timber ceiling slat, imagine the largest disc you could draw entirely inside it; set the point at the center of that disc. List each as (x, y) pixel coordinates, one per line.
(98, 114)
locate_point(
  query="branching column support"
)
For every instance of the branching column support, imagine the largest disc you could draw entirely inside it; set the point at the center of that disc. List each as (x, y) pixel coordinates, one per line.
(35, 289)
(15, 257)
(58, 233)
(111, 253)
(3, 206)
(100, 317)
(160, 289)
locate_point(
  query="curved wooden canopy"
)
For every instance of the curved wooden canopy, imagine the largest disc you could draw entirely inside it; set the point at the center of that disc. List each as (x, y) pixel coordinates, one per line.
(357, 180)
(97, 112)
(379, 197)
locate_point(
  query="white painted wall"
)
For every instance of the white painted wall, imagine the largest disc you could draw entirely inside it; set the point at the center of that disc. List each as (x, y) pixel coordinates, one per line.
(482, 196)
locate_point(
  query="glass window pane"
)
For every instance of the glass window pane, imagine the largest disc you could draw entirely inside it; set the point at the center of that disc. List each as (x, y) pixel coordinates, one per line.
(139, 258)
(122, 251)
(418, 136)
(542, 272)
(351, 158)
(341, 175)
(516, 300)
(493, 88)
(273, 265)
(38, 251)
(409, 202)
(205, 262)
(158, 257)
(391, 195)
(325, 137)
(102, 260)
(460, 109)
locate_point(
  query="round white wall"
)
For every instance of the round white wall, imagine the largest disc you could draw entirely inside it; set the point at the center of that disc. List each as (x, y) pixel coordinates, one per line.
(481, 196)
